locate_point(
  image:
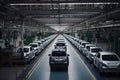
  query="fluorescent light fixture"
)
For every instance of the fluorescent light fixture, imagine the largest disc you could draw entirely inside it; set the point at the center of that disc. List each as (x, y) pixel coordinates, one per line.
(56, 24)
(33, 4)
(59, 28)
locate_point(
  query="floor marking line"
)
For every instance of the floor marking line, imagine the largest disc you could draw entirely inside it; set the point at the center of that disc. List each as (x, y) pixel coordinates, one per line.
(84, 64)
(86, 67)
(35, 66)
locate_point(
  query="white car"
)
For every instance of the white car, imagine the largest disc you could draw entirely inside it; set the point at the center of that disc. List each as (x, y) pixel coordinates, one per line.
(61, 45)
(92, 52)
(59, 58)
(81, 47)
(40, 45)
(28, 52)
(36, 47)
(107, 62)
(87, 46)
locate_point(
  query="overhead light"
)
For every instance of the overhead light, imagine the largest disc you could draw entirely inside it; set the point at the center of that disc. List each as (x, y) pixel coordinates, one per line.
(33, 4)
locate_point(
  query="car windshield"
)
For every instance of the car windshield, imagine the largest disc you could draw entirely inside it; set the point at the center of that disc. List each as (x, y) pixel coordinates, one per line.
(110, 58)
(84, 44)
(26, 49)
(58, 53)
(60, 44)
(96, 50)
(33, 45)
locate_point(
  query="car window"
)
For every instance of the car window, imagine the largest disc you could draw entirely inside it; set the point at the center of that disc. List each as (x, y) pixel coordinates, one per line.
(60, 44)
(26, 49)
(19, 50)
(88, 48)
(31, 48)
(98, 55)
(96, 50)
(110, 58)
(33, 45)
(58, 53)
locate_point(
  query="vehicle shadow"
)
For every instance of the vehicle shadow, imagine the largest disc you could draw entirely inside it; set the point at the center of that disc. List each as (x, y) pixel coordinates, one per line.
(111, 76)
(59, 74)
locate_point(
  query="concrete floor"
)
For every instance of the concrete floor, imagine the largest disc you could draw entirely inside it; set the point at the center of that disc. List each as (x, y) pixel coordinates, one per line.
(10, 73)
(79, 68)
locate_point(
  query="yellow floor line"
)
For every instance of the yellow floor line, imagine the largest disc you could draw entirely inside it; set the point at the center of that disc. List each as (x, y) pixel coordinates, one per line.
(86, 67)
(35, 66)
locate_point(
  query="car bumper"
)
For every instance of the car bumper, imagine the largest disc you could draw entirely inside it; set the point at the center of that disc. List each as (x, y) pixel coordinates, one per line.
(111, 70)
(59, 64)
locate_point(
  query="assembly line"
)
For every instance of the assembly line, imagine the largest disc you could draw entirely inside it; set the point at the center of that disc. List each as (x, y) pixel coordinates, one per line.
(59, 39)
(79, 67)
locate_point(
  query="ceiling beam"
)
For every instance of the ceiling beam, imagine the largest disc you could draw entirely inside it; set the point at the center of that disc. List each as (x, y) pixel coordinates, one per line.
(55, 12)
(59, 1)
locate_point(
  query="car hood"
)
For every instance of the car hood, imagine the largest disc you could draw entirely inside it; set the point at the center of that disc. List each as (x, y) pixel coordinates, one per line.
(93, 53)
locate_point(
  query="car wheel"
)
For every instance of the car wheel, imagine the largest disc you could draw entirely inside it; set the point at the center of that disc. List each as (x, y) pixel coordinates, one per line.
(51, 68)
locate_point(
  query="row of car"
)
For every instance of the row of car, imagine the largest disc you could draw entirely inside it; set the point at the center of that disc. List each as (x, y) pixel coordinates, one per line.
(104, 61)
(59, 57)
(30, 51)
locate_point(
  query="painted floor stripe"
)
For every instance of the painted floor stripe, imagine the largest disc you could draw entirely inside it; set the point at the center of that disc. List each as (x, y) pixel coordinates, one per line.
(35, 66)
(86, 67)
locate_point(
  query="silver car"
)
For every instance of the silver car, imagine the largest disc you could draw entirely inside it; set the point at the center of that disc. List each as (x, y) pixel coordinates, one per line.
(107, 62)
(81, 47)
(59, 58)
(87, 46)
(92, 52)
(36, 47)
(61, 45)
(28, 53)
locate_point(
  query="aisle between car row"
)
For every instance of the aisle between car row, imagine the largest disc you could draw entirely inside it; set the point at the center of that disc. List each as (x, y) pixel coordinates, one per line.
(59, 59)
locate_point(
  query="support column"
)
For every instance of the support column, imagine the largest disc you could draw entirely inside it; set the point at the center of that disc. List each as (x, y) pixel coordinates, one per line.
(22, 38)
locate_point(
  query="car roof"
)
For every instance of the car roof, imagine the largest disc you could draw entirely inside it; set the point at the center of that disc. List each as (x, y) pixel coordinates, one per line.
(90, 45)
(26, 46)
(60, 42)
(106, 53)
(62, 50)
(84, 42)
(34, 43)
(38, 41)
(93, 47)
(60, 39)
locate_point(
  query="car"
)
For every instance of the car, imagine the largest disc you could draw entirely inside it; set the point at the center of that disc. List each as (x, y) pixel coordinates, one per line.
(82, 46)
(28, 53)
(107, 62)
(87, 46)
(40, 44)
(92, 52)
(36, 47)
(60, 39)
(61, 45)
(59, 58)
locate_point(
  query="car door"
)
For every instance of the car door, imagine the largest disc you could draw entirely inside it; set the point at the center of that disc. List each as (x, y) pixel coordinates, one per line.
(97, 59)
(32, 52)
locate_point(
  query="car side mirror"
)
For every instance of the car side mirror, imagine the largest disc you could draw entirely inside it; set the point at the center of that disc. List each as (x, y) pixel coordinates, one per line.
(68, 55)
(49, 54)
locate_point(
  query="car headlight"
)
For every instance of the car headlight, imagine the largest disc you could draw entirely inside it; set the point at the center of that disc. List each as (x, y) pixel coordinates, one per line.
(119, 65)
(104, 65)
